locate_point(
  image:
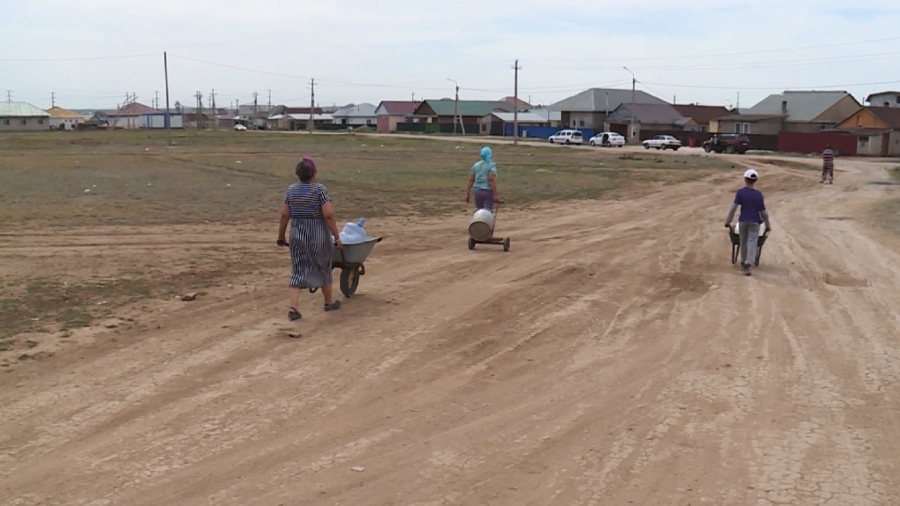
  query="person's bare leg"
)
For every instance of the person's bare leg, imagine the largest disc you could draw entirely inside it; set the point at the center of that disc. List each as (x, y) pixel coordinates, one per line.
(327, 293)
(295, 297)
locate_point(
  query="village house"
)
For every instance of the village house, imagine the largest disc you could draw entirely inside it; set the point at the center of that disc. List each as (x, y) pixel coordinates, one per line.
(356, 115)
(135, 115)
(702, 115)
(296, 118)
(791, 111)
(884, 99)
(391, 112)
(471, 111)
(62, 119)
(503, 123)
(553, 118)
(649, 120)
(877, 130)
(591, 108)
(22, 116)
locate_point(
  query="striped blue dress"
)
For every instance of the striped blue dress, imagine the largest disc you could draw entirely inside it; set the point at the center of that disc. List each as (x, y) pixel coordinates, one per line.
(311, 243)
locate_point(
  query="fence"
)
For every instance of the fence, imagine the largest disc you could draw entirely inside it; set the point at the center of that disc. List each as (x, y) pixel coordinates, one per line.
(796, 142)
(757, 141)
(546, 132)
(433, 128)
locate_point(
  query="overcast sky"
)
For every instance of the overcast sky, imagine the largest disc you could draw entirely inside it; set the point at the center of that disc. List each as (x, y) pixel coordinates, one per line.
(91, 52)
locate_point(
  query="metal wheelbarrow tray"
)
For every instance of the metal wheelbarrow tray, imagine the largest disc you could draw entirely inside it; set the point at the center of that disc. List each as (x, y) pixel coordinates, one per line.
(736, 245)
(350, 261)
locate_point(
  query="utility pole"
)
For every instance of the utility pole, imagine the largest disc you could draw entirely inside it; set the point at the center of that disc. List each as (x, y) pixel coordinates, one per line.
(456, 116)
(738, 106)
(270, 100)
(255, 105)
(9, 95)
(215, 110)
(168, 118)
(312, 105)
(414, 96)
(633, 88)
(52, 99)
(516, 106)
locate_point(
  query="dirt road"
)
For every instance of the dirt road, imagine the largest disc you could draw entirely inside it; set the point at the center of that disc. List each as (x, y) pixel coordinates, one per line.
(613, 356)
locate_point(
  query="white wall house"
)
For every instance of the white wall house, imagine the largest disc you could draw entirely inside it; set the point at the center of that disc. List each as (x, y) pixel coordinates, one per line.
(62, 119)
(884, 99)
(356, 115)
(17, 116)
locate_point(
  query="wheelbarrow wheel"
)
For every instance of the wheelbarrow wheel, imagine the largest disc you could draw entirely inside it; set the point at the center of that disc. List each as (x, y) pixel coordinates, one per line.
(350, 280)
(506, 244)
(471, 243)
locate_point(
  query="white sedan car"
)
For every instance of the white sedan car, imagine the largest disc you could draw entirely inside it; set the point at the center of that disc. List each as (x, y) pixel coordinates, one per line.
(567, 137)
(608, 139)
(240, 128)
(663, 142)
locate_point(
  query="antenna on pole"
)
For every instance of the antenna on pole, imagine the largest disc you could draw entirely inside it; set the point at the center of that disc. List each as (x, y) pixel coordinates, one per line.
(312, 105)
(168, 118)
(516, 105)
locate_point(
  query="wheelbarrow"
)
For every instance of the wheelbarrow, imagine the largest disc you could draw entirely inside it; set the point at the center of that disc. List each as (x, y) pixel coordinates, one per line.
(734, 233)
(481, 229)
(351, 262)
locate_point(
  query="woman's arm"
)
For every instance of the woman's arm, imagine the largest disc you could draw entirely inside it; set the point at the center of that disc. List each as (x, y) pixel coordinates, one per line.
(469, 186)
(331, 222)
(282, 225)
(493, 180)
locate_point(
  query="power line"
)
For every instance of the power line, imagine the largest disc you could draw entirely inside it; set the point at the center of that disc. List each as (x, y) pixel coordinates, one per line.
(86, 58)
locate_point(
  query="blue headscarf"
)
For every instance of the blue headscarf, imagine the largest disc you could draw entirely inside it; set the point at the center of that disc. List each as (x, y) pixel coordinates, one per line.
(486, 154)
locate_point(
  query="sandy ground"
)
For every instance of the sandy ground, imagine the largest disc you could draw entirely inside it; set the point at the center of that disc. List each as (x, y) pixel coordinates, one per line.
(613, 356)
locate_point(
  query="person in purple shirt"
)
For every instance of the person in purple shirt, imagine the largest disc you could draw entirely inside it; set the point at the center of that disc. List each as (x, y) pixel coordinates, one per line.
(753, 213)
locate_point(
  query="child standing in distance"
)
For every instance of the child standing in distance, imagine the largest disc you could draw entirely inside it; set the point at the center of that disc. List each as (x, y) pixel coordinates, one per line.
(828, 165)
(753, 213)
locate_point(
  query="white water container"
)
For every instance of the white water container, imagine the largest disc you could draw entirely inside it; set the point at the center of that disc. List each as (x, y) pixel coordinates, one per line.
(481, 228)
(762, 228)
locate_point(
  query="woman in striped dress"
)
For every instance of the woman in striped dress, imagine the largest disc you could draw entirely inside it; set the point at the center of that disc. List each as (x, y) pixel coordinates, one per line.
(311, 215)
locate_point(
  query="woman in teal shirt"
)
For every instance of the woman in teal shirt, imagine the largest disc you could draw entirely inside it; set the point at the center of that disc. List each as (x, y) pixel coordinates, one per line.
(484, 179)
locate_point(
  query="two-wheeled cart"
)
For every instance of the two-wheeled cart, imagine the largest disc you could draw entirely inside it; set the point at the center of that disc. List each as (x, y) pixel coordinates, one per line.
(481, 230)
(734, 233)
(351, 262)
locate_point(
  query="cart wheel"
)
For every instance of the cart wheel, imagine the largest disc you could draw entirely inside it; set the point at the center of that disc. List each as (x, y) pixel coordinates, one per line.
(506, 244)
(471, 243)
(350, 280)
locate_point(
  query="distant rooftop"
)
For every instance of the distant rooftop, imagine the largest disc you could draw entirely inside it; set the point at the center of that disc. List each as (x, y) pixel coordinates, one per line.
(21, 110)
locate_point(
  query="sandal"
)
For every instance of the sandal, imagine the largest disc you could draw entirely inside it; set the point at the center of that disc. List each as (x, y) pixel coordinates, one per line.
(333, 306)
(294, 315)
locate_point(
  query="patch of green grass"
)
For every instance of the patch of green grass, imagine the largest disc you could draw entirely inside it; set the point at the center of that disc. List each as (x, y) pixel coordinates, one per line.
(6, 344)
(31, 344)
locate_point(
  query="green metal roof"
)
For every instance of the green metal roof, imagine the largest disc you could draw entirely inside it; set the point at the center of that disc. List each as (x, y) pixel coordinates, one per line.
(21, 110)
(466, 107)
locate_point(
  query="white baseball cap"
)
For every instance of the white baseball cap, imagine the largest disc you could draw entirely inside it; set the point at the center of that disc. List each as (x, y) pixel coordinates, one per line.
(751, 174)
